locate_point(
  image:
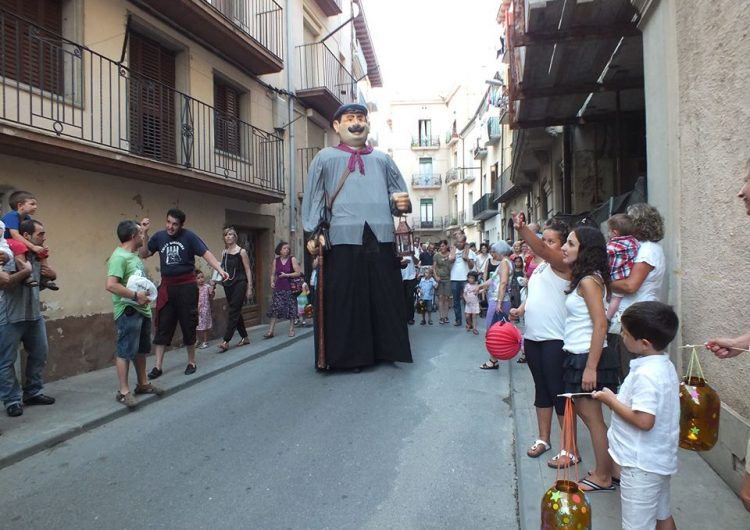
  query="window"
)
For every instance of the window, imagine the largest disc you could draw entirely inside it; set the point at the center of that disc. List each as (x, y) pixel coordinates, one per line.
(152, 99)
(227, 116)
(33, 55)
(425, 213)
(425, 170)
(425, 133)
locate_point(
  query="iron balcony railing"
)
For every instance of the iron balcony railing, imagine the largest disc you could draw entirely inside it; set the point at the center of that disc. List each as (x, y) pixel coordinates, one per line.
(263, 20)
(450, 136)
(319, 68)
(480, 152)
(58, 87)
(485, 207)
(454, 219)
(436, 223)
(503, 185)
(457, 175)
(429, 180)
(425, 141)
(494, 129)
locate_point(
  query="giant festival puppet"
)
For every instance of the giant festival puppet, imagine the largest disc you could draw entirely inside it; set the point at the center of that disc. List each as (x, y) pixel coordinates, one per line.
(352, 194)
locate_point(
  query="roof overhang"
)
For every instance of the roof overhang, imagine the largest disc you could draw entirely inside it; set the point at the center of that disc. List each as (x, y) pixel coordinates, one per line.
(573, 60)
(368, 49)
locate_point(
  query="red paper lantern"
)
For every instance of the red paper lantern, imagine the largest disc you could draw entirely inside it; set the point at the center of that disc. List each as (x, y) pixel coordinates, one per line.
(503, 340)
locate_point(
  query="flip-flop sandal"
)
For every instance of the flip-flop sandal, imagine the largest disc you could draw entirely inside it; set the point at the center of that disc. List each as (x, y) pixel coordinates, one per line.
(615, 480)
(534, 452)
(563, 459)
(490, 365)
(593, 486)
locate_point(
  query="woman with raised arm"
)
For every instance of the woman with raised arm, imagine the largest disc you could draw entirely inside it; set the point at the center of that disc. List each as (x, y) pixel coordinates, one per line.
(544, 313)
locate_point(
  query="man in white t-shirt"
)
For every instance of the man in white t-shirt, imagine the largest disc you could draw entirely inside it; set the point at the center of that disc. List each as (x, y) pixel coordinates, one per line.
(462, 260)
(644, 433)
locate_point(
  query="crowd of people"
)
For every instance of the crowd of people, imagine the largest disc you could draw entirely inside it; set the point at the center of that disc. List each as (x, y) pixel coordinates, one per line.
(440, 276)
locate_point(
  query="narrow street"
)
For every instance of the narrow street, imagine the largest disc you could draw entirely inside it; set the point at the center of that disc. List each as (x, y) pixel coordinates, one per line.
(272, 444)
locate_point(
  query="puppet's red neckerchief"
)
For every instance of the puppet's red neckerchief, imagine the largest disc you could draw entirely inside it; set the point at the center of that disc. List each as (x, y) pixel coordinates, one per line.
(356, 156)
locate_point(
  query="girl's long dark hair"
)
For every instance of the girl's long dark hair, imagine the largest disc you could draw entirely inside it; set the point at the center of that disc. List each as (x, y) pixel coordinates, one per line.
(592, 257)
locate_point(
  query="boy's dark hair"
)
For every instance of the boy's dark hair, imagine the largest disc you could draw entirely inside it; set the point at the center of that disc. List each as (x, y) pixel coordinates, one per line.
(127, 230)
(28, 226)
(198, 271)
(621, 222)
(653, 321)
(473, 274)
(19, 197)
(176, 213)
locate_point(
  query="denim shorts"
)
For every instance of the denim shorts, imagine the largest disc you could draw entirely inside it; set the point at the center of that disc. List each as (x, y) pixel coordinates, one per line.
(133, 334)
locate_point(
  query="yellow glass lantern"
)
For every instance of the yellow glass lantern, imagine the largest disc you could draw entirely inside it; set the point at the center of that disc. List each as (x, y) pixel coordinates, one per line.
(308, 311)
(404, 238)
(700, 407)
(565, 506)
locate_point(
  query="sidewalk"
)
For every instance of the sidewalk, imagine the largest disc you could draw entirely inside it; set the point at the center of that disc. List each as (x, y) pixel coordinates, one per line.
(88, 400)
(700, 499)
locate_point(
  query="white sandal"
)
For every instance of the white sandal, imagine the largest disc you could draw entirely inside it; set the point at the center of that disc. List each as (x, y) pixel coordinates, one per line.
(535, 446)
(557, 462)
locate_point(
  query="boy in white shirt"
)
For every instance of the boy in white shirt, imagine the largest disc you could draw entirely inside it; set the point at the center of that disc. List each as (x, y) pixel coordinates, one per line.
(643, 436)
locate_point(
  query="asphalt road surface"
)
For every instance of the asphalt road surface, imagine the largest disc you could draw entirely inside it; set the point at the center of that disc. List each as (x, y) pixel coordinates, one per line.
(273, 444)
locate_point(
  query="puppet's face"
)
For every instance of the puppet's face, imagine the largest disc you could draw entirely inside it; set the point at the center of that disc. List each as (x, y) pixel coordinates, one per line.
(352, 128)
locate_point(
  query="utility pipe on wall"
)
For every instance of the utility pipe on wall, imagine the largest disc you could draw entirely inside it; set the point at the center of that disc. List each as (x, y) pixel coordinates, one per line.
(290, 119)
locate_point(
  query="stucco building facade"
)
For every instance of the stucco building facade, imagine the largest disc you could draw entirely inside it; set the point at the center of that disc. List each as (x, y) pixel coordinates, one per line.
(123, 109)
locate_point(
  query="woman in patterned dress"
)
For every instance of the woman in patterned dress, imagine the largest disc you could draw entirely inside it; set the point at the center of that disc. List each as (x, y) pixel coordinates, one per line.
(283, 303)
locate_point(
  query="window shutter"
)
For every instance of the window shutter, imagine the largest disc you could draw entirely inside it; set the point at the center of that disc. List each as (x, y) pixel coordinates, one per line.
(33, 54)
(227, 115)
(152, 99)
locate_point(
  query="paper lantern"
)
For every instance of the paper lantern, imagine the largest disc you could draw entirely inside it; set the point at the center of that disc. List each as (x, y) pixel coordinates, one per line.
(699, 410)
(565, 506)
(308, 311)
(503, 340)
(421, 307)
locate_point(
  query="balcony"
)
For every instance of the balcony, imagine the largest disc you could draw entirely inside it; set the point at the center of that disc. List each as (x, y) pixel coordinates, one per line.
(330, 7)
(324, 83)
(480, 152)
(451, 138)
(484, 208)
(505, 189)
(494, 129)
(425, 142)
(426, 181)
(454, 220)
(115, 121)
(459, 175)
(249, 32)
(419, 224)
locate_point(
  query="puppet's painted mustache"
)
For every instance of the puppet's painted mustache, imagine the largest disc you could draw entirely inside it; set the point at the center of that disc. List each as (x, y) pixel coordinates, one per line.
(356, 129)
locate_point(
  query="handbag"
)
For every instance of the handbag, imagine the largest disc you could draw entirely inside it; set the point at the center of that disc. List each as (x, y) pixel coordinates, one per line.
(215, 276)
(295, 284)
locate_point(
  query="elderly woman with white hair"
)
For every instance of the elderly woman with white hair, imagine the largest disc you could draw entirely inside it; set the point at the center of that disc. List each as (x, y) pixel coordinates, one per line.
(498, 290)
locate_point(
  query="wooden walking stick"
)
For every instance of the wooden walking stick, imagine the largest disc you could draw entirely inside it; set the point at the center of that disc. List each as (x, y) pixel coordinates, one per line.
(319, 314)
